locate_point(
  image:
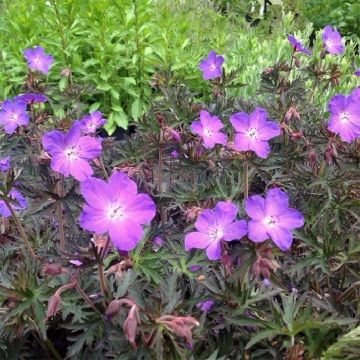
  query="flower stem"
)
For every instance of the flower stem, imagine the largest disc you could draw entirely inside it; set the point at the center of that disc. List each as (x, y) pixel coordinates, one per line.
(246, 179)
(59, 214)
(160, 170)
(21, 230)
(102, 282)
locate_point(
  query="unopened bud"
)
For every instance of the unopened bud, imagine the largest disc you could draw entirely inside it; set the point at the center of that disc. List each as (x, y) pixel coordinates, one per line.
(52, 269)
(53, 305)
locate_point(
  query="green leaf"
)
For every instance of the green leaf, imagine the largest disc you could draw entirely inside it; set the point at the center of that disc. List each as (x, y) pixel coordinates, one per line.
(137, 109)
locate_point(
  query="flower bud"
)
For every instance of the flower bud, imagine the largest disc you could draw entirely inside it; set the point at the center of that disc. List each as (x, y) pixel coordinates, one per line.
(113, 309)
(52, 269)
(53, 305)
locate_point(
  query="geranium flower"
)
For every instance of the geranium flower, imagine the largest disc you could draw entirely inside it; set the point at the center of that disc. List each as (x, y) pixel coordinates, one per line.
(332, 41)
(38, 60)
(345, 116)
(115, 207)
(211, 67)
(5, 164)
(20, 203)
(208, 128)
(254, 131)
(31, 98)
(272, 218)
(357, 73)
(298, 46)
(90, 123)
(71, 152)
(12, 115)
(205, 306)
(213, 226)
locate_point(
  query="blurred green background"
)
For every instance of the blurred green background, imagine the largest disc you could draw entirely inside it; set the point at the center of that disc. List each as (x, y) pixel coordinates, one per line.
(114, 47)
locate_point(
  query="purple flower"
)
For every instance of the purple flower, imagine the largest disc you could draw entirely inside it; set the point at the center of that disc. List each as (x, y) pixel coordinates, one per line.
(5, 164)
(194, 268)
(92, 122)
(208, 128)
(37, 59)
(115, 207)
(272, 218)
(357, 73)
(20, 203)
(332, 41)
(71, 152)
(345, 116)
(174, 154)
(254, 131)
(213, 226)
(12, 115)
(76, 262)
(211, 66)
(31, 98)
(298, 46)
(205, 306)
(266, 282)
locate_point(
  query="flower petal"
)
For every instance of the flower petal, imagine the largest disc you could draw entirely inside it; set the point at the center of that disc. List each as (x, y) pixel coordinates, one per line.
(235, 231)
(291, 219)
(196, 240)
(257, 231)
(282, 237)
(126, 234)
(213, 251)
(95, 192)
(255, 207)
(276, 202)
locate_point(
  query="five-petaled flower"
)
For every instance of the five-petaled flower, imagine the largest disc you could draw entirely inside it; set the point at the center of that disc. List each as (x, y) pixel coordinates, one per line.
(298, 46)
(345, 116)
(272, 218)
(5, 164)
(38, 60)
(213, 226)
(71, 152)
(115, 207)
(90, 123)
(211, 67)
(12, 115)
(208, 128)
(18, 203)
(254, 131)
(332, 41)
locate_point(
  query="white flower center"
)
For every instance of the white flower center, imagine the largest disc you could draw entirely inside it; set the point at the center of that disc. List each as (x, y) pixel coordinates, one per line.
(270, 221)
(212, 67)
(13, 117)
(208, 132)
(252, 133)
(37, 60)
(344, 117)
(216, 234)
(71, 153)
(116, 212)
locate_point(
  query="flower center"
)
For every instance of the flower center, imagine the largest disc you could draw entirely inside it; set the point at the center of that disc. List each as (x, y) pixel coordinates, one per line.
(252, 133)
(208, 132)
(212, 67)
(116, 212)
(13, 117)
(270, 221)
(216, 234)
(71, 153)
(344, 117)
(37, 60)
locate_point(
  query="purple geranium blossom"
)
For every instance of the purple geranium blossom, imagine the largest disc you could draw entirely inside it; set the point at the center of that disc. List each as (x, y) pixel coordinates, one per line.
(205, 306)
(158, 243)
(20, 203)
(211, 66)
(115, 207)
(213, 226)
(298, 46)
(345, 116)
(90, 123)
(208, 128)
(37, 59)
(272, 218)
(31, 98)
(357, 73)
(254, 131)
(174, 154)
(332, 41)
(71, 152)
(12, 115)
(5, 164)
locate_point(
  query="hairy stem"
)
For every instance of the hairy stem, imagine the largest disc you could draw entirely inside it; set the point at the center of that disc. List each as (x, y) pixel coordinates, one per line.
(21, 230)
(60, 215)
(246, 179)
